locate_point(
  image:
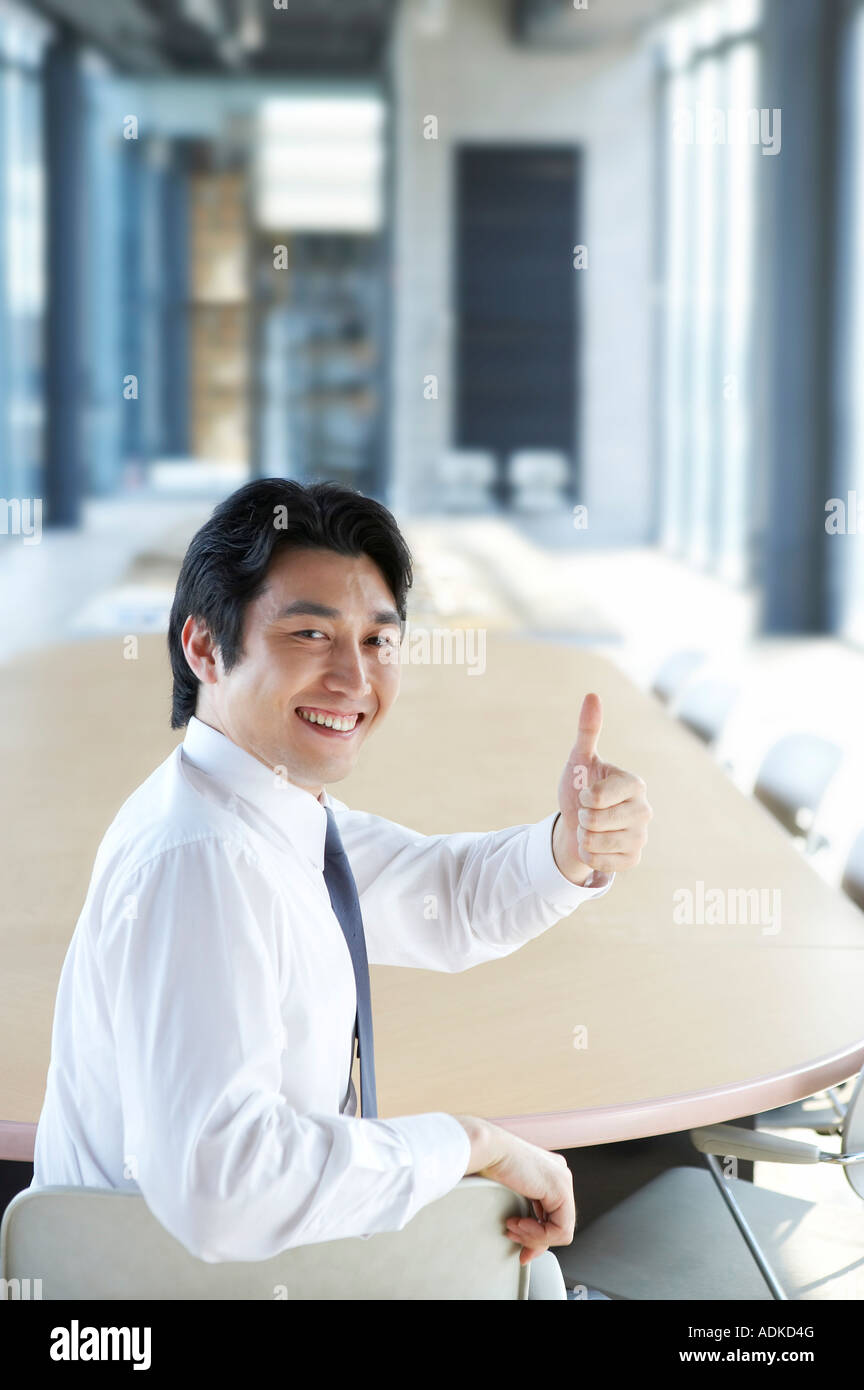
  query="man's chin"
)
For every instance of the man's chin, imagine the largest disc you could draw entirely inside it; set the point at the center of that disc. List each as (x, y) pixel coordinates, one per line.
(330, 767)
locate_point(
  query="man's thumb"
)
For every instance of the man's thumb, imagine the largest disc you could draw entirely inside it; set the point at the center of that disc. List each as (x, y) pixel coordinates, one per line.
(590, 724)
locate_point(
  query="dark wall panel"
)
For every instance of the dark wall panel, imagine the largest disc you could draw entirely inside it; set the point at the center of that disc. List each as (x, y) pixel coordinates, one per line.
(517, 213)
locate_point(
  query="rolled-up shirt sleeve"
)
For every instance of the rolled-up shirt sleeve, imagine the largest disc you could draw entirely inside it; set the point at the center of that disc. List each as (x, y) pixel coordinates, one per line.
(451, 901)
(189, 960)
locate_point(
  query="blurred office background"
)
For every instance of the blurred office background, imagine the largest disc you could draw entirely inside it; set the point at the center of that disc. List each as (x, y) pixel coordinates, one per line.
(577, 290)
(465, 256)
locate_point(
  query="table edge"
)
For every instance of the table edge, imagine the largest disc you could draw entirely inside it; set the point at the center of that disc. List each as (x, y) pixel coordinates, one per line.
(573, 1129)
(609, 1124)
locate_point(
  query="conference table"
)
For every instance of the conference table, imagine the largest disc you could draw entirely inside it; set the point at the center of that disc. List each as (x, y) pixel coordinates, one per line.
(646, 1011)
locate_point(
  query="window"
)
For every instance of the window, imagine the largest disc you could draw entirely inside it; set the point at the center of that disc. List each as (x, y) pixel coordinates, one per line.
(849, 544)
(22, 289)
(713, 133)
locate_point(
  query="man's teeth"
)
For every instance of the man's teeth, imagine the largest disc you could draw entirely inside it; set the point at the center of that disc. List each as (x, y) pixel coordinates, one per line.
(343, 725)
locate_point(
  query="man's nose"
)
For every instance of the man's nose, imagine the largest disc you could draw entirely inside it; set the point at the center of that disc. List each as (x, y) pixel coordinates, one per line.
(347, 669)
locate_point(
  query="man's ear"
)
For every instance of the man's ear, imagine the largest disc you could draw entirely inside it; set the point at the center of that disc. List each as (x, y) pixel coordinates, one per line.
(200, 651)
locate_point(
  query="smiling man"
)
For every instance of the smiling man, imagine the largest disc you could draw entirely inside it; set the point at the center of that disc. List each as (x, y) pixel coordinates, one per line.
(217, 979)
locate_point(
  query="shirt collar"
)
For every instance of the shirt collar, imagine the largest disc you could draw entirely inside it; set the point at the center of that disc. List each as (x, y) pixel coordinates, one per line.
(302, 817)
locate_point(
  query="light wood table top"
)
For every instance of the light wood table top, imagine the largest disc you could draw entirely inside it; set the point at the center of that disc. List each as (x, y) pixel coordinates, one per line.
(683, 1024)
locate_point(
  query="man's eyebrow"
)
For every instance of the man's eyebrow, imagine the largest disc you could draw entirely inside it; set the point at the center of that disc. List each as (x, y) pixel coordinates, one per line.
(321, 610)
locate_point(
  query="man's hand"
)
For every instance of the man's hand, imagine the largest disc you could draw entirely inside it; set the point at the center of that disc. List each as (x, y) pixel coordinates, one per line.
(604, 817)
(532, 1172)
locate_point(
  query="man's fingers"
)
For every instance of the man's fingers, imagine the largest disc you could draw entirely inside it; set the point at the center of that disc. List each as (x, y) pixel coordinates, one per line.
(610, 863)
(590, 724)
(534, 1245)
(540, 1234)
(605, 841)
(633, 811)
(616, 786)
(534, 1235)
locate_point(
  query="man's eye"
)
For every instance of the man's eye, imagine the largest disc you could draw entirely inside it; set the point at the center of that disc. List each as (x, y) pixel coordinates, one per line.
(380, 639)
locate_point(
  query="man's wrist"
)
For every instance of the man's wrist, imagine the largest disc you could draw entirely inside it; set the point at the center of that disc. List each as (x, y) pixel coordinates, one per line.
(481, 1136)
(572, 868)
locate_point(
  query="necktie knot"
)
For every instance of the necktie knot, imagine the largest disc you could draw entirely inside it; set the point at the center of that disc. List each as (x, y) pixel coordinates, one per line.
(333, 846)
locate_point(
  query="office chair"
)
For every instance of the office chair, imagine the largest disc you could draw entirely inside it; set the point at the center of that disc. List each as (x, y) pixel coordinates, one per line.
(674, 674)
(90, 1243)
(704, 707)
(537, 480)
(464, 478)
(852, 882)
(825, 1111)
(696, 1234)
(793, 776)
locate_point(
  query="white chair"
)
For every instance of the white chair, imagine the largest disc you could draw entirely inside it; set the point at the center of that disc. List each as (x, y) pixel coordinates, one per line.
(825, 1111)
(704, 708)
(674, 674)
(693, 1234)
(464, 479)
(852, 882)
(538, 479)
(89, 1243)
(793, 778)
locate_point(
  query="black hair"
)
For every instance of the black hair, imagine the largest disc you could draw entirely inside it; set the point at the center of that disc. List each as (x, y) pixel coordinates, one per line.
(226, 564)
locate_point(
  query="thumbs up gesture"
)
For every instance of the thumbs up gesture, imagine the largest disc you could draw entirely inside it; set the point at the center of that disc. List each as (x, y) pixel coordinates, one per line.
(603, 823)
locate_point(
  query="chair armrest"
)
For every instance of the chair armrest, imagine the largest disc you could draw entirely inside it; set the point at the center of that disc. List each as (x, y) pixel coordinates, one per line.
(753, 1144)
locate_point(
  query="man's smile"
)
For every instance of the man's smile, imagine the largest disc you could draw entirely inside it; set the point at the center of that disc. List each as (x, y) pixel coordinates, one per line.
(329, 722)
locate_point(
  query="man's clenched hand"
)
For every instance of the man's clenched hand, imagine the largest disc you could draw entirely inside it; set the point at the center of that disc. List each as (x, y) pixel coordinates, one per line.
(604, 817)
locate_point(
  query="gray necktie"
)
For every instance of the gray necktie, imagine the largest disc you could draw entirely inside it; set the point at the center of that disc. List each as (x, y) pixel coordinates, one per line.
(346, 905)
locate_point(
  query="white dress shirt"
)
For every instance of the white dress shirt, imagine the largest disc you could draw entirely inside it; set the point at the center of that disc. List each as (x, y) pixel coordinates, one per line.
(203, 1030)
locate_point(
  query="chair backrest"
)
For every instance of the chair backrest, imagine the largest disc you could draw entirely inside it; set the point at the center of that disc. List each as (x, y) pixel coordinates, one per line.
(94, 1243)
(704, 707)
(538, 468)
(538, 478)
(674, 674)
(835, 841)
(464, 479)
(793, 776)
(853, 1136)
(853, 872)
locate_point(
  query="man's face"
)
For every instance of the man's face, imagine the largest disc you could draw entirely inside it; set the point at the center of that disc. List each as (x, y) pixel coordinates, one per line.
(313, 643)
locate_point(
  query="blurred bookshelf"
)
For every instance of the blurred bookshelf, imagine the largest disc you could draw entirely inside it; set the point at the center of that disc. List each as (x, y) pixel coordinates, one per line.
(318, 336)
(219, 313)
